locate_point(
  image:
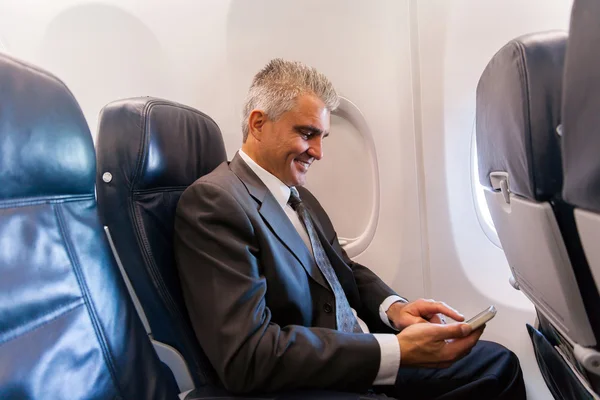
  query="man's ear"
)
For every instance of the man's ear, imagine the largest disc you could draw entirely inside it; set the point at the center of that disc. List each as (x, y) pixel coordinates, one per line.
(256, 123)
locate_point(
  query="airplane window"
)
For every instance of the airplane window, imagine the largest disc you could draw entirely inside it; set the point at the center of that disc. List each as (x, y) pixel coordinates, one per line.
(349, 174)
(483, 212)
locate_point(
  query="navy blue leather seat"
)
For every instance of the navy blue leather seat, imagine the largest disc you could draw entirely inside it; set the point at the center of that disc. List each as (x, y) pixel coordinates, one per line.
(153, 150)
(68, 329)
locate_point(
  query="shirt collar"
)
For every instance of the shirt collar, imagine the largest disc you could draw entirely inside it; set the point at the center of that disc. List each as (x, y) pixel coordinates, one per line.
(278, 189)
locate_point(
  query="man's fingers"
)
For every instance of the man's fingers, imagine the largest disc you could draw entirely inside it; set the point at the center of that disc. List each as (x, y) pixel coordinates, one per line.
(436, 344)
(436, 319)
(431, 307)
(452, 331)
(459, 348)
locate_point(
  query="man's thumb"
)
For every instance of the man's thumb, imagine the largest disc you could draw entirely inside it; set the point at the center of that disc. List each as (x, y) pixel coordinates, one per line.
(453, 331)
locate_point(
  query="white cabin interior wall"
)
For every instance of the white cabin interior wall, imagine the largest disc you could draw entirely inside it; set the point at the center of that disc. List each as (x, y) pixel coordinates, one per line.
(411, 68)
(204, 53)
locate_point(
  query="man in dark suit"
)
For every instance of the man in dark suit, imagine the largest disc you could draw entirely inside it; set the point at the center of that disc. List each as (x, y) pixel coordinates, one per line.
(275, 301)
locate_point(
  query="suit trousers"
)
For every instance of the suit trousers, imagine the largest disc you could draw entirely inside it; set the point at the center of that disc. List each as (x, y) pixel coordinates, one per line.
(490, 371)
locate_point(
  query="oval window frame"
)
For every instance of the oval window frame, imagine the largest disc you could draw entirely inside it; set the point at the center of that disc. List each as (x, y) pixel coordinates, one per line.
(351, 113)
(484, 218)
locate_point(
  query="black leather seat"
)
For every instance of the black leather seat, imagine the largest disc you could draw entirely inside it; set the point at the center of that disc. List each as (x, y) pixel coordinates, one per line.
(518, 142)
(149, 151)
(68, 329)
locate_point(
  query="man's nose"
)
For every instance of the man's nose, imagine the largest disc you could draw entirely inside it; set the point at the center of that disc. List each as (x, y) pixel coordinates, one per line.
(316, 147)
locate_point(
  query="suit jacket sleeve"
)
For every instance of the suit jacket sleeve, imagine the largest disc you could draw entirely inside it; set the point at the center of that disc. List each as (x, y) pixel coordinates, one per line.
(224, 291)
(373, 291)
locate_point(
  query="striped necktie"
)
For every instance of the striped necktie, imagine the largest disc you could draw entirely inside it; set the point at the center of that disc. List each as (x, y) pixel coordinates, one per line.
(346, 322)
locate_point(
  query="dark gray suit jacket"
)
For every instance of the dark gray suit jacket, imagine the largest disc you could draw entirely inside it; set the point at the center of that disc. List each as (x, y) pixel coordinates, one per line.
(260, 307)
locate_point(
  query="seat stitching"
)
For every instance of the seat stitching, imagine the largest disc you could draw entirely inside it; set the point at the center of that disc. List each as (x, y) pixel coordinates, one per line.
(523, 74)
(160, 190)
(167, 300)
(100, 335)
(64, 310)
(21, 202)
(159, 102)
(144, 116)
(141, 154)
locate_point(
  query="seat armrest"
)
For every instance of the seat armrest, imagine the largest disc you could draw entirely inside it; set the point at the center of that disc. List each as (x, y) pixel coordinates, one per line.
(174, 360)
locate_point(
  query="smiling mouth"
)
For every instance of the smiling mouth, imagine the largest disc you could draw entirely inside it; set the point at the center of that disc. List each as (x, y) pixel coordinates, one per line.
(303, 164)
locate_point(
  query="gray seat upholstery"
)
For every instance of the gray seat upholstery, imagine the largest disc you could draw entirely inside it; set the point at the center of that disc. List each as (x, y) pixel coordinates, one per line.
(581, 143)
(581, 139)
(518, 110)
(519, 146)
(581, 105)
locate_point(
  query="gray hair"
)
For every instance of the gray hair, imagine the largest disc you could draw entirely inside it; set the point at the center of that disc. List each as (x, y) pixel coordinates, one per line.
(276, 87)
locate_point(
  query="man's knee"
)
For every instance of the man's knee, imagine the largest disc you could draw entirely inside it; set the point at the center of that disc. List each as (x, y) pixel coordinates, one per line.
(504, 368)
(498, 357)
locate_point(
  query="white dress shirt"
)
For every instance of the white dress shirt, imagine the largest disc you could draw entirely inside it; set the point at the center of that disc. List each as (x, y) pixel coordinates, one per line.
(388, 343)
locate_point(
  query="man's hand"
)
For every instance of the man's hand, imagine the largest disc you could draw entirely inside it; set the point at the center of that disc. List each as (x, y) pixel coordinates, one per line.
(402, 315)
(436, 346)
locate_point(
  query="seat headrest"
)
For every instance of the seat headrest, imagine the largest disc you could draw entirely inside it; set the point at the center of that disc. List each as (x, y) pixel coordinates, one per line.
(162, 144)
(46, 148)
(581, 108)
(518, 112)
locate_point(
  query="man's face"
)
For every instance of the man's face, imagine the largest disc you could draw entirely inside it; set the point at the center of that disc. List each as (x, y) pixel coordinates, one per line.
(292, 143)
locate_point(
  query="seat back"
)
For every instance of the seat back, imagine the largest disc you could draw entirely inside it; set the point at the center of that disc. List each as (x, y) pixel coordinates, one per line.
(149, 151)
(581, 137)
(581, 105)
(68, 329)
(518, 112)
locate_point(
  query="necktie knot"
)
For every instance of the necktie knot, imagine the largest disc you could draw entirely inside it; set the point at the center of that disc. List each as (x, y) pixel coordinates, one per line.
(294, 199)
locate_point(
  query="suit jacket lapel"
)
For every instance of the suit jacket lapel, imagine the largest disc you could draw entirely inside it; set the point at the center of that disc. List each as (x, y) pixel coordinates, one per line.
(276, 218)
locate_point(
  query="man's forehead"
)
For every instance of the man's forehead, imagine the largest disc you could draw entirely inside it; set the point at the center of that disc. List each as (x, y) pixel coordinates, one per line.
(312, 111)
